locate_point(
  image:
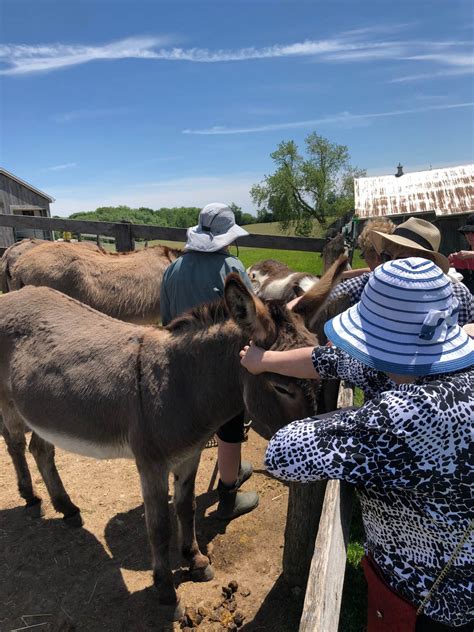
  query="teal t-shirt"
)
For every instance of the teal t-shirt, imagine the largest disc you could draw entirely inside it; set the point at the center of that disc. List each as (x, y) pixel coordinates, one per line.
(196, 278)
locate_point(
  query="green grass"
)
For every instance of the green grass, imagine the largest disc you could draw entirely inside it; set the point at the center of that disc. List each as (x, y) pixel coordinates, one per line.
(297, 260)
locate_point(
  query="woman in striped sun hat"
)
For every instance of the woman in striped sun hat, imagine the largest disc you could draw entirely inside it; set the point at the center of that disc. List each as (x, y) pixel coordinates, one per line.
(408, 449)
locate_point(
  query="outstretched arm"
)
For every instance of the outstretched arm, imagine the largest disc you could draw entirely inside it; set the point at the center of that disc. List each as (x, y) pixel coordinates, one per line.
(293, 363)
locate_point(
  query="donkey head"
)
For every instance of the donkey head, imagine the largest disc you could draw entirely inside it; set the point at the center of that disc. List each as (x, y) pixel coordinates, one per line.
(274, 400)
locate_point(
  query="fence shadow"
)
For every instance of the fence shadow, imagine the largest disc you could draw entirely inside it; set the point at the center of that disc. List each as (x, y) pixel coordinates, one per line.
(281, 610)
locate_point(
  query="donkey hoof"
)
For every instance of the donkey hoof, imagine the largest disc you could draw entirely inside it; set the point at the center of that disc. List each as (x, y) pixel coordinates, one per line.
(172, 612)
(34, 509)
(74, 520)
(202, 574)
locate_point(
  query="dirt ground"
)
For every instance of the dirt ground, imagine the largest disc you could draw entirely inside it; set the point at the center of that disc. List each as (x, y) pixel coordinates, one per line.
(54, 578)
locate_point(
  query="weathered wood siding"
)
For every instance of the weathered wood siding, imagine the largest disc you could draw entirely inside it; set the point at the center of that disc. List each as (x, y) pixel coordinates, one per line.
(14, 194)
(448, 191)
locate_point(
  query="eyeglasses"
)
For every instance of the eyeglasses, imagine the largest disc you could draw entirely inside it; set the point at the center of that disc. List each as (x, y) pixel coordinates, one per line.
(385, 256)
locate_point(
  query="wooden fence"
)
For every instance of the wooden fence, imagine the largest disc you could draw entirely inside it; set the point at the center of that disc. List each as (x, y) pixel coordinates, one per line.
(316, 537)
(125, 233)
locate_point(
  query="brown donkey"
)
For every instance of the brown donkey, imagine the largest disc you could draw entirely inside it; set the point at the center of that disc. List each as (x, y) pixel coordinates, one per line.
(101, 387)
(125, 286)
(18, 249)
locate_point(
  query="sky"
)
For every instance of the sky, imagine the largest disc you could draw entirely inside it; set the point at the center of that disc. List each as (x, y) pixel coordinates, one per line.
(156, 103)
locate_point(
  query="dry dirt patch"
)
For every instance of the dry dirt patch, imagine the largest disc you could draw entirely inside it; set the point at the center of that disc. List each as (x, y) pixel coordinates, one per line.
(98, 577)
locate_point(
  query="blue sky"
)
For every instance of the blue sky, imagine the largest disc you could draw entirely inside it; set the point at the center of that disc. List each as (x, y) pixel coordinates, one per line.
(180, 103)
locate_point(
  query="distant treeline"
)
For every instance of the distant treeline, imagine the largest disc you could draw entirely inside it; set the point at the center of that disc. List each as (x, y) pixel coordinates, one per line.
(179, 217)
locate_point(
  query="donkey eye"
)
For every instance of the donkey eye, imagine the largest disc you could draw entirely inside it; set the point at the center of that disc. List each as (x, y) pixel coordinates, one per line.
(283, 391)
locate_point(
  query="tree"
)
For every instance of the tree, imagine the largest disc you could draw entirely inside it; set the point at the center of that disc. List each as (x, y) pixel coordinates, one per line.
(305, 189)
(241, 218)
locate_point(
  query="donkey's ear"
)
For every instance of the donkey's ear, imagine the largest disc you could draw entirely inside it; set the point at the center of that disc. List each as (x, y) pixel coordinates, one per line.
(249, 312)
(311, 303)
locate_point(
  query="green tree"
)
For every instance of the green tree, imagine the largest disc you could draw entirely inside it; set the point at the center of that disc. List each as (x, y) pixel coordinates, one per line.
(303, 189)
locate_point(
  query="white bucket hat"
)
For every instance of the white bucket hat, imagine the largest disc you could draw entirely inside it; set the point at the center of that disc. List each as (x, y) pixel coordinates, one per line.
(216, 229)
(405, 322)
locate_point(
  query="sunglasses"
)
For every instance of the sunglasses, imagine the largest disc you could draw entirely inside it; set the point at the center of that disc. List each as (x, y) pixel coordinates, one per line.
(385, 256)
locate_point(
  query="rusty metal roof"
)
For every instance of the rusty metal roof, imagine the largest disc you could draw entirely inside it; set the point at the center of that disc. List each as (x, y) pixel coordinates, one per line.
(447, 191)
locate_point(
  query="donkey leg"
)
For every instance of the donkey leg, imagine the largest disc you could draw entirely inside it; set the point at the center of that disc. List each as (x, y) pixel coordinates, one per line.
(14, 434)
(154, 483)
(43, 453)
(185, 502)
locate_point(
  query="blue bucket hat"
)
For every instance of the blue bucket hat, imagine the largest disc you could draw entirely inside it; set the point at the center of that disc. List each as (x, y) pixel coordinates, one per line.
(405, 322)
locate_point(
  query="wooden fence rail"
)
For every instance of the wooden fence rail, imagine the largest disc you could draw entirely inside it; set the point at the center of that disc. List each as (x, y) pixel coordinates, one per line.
(125, 233)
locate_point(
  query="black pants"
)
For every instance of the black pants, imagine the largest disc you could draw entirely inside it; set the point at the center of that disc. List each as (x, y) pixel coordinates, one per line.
(425, 624)
(233, 430)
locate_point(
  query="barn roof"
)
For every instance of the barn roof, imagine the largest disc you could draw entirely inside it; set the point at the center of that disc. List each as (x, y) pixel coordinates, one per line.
(25, 184)
(448, 191)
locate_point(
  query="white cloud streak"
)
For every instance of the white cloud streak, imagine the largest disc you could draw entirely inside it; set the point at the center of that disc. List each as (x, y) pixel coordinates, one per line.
(67, 165)
(351, 46)
(345, 118)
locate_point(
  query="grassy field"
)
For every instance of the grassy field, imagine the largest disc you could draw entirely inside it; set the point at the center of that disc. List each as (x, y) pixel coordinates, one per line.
(297, 260)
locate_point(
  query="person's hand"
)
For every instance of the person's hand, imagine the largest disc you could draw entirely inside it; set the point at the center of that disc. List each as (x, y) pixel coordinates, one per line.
(469, 329)
(462, 254)
(251, 358)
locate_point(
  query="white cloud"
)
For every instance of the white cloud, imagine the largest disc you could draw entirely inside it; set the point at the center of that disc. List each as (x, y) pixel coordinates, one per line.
(456, 72)
(345, 118)
(67, 165)
(197, 191)
(351, 46)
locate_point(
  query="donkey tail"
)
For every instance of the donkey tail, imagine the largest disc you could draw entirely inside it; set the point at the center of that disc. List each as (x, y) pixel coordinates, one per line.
(5, 274)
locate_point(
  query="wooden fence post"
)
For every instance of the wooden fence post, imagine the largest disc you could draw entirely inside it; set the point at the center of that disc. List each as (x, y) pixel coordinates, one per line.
(322, 604)
(305, 503)
(124, 241)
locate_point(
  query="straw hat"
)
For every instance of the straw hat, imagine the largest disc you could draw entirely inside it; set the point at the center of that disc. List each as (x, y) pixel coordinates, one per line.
(216, 229)
(414, 233)
(405, 322)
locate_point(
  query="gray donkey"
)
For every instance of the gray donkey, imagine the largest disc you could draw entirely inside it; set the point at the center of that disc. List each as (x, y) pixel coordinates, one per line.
(105, 388)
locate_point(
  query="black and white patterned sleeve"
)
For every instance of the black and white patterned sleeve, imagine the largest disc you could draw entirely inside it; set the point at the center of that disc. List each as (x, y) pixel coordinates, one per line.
(331, 362)
(466, 303)
(371, 446)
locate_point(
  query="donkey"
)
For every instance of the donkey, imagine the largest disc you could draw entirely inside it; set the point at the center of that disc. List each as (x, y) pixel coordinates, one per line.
(274, 280)
(105, 388)
(125, 286)
(18, 249)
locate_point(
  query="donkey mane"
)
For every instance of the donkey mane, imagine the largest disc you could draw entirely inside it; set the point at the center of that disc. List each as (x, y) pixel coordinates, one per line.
(167, 252)
(208, 314)
(200, 317)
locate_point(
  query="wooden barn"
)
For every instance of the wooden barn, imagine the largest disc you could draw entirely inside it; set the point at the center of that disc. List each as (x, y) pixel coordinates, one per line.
(441, 196)
(17, 197)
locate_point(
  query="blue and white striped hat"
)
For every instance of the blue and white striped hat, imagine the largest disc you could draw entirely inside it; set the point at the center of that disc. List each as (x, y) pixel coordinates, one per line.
(405, 322)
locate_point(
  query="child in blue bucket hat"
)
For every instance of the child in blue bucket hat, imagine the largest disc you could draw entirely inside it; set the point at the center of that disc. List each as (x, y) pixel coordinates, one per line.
(408, 449)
